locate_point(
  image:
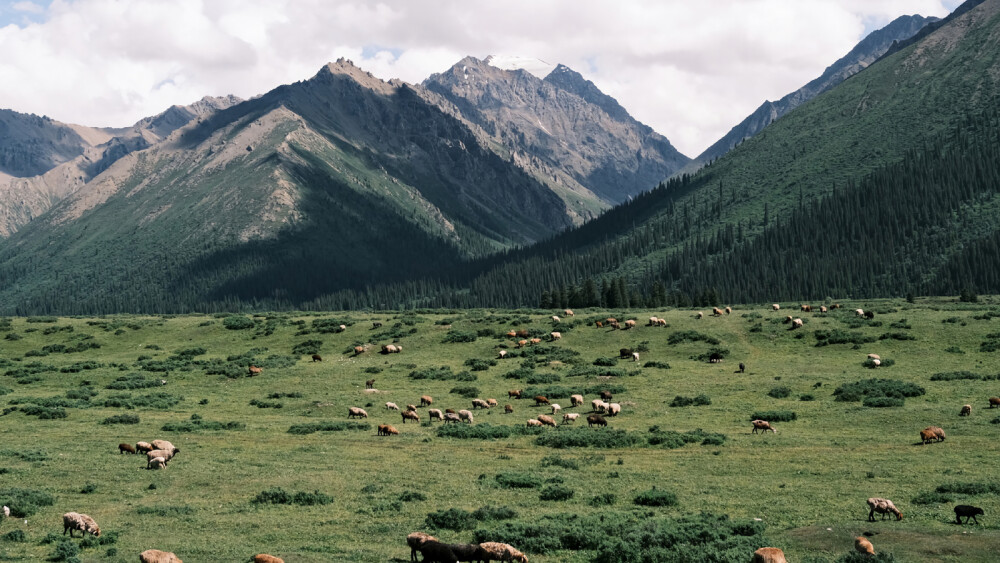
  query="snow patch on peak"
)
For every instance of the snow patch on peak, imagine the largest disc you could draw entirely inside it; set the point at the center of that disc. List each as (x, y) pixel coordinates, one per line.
(536, 67)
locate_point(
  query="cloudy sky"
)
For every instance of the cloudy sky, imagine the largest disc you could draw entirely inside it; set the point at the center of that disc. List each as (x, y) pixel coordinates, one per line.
(690, 69)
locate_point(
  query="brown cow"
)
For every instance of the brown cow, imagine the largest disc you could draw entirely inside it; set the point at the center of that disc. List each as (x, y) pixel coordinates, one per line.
(318, 358)
(541, 400)
(254, 370)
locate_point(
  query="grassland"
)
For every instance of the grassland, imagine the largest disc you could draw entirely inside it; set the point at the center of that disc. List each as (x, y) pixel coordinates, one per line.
(807, 484)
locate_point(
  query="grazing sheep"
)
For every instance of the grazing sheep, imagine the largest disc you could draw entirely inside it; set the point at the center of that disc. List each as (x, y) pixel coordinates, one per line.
(555, 408)
(822, 308)
(796, 323)
(387, 430)
(596, 419)
(437, 552)
(507, 409)
(615, 326)
(502, 354)
(370, 384)
(426, 400)
(521, 333)
(966, 410)
(156, 463)
(123, 448)
(496, 551)
(883, 506)
(536, 340)
(491, 402)
(541, 400)
(598, 324)
(265, 558)
(389, 349)
(571, 417)
(480, 404)
(167, 455)
(743, 367)
(967, 511)
(763, 426)
(415, 540)
(994, 402)
(598, 405)
(606, 395)
(143, 447)
(410, 415)
(768, 555)
(874, 357)
(451, 417)
(788, 319)
(555, 335)
(699, 315)
(76, 521)
(729, 310)
(555, 319)
(522, 343)
(358, 350)
(862, 545)
(411, 407)
(629, 324)
(157, 556)
(716, 312)
(6, 511)
(467, 551)
(653, 321)
(575, 400)
(661, 322)
(376, 324)
(435, 413)
(163, 445)
(466, 416)
(614, 409)
(860, 312)
(611, 320)
(635, 356)
(452, 411)
(869, 315)
(776, 307)
(353, 412)
(624, 353)
(807, 308)
(876, 363)
(514, 394)
(533, 422)
(546, 420)
(318, 358)
(253, 370)
(935, 433)
(389, 406)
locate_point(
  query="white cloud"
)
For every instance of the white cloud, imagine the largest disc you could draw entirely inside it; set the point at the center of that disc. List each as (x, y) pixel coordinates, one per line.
(689, 69)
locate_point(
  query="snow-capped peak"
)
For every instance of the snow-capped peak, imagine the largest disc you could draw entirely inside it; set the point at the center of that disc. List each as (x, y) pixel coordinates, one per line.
(537, 67)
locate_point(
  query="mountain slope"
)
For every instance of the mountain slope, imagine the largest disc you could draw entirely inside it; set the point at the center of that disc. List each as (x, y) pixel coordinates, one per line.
(870, 49)
(562, 129)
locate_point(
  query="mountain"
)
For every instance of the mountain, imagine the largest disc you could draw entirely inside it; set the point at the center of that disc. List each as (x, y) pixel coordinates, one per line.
(336, 182)
(562, 129)
(46, 161)
(870, 49)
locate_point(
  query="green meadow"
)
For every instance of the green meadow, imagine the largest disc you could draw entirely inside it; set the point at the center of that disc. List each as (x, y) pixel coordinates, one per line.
(271, 463)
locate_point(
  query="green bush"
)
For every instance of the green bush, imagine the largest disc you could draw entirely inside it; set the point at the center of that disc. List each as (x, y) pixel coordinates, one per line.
(555, 492)
(655, 497)
(837, 336)
(15, 536)
(165, 510)
(339, 426)
(542, 378)
(261, 404)
(278, 495)
(467, 392)
(658, 365)
(121, 419)
(443, 373)
(517, 480)
(700, 400)
(673, 440)
(307, 348)
(161, 401)
(956, 375)
(24, 502)
(65, 550)
(494, 513)
(412, 496)
(857, 391)
(897, 336)
(454, 335)
(588, 438)
(882, 402)
(451, 519)
(484, 431)
(807, 397)
(558, 461)
(879, 557)
(602, 500)
(774, 416)
(196, 423)
(477, 364)
(691, 336)
(970, 488)
(237, 322)
(44, 413)
(932, 497)
(780, 392)
(606, 362)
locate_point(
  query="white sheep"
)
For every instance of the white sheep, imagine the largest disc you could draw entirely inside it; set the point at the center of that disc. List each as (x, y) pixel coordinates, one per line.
(356, 412)
(502, 354)
(860, 312)
(571, 417)
(76, 521)
(480, 404)
(391, 406)
(599, 405)
(162, 445)
(776, 307)
(451, 417)
(534, 422)
(165, 454)
(466, 416)
(635, 356)
(555, 408)
(555, 335)
(496, 551)
(576, 400)
(6, 511)
(555, 319)
(874, 357)
(614, 409)
(876, 363)
(156, 463)
(435, 413)
(546, 420)
(796, 323)
(157, 556)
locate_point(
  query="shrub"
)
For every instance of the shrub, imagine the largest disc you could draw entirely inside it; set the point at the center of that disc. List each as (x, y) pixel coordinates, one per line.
(700, 400)
(606, 362)
(658, 365)
(932, 497)
(956, 375)
(442, 373)
(692, 336)
(477, 364)
(307, 348)
(237, 322)
(558, 461)
(897, 336)
(852, 392)
(160, 401)
(542, 378)
(279, 395)
(655, 497)
(602, 500)
(837, 336)
(121, 419)
(196, 423)
(954, 350)
(879, 557)
(454, 335)
(673, 440)
(261, 404)
(339, 426)
(165, 510)
(774, 416)
(451, 519)
(780, 392)
(485, 431)
(65, 550)
(882, 402)
(517, 480)
(555, 492)
(587, 438)
(412, 496)
(807, 397)
(467, 392)
(970, 488)
(278, 495)
(494, 513)
(88, 488)
(14, 536)
(44, 413)
(24, 502)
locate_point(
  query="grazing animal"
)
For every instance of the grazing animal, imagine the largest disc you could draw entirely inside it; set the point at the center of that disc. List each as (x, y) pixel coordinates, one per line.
(163, 445)
(598, 405)
(467, 551)
(763, 426)
(480, 404)
(502, 354)
(389, 349)
(511, 334)
(491, 402)
(536, 340)
(156, 463)
(514, 393)
(546, 420)
(376, 324)
(76, 521)
(410, 415)
(653, 321)
(796, 323)
(930, 433)
(614, 409)
(860, 312)
(391, 406)
(541, 400)
(596, 419)
(883, 506)
(862, 545)
(123, 448)
(507, 409)
(157, 556)
(822, 308)
(788, 319)
(451, 417)
(568, 312)
(143, 447)
(611, 320)
(555, 408)
(635, 356)
(358, 350)
(874, 357)
(411, 407)
(6, 511)
(555, 319)
(466, 416)
(318, 358)
(452, 411)
(356, 412)
(869, 315)
(370, 384)
(426, 400)
(876, 363)
(521, 333)
(994, 402)
(571, 416)
(661, 322)
(699, 315)
(341, 328)
(533, 422)
(387, 430)
(716, 312)
(629, 324)
(435, 413)
(167, 455)
(807, 308)
(253, 370)
(522, 343)
(966, 410)
(415, 540)
(776, 307)
(967, 511)
(743, 367)
(598, 324)
(575, 400)
(624, 353)
(265, 558)
(768, 555)
(555, 335)
(496, 551)
(606, 395)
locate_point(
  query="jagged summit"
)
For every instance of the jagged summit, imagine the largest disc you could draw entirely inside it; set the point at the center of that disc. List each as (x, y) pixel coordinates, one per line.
(537, 67)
